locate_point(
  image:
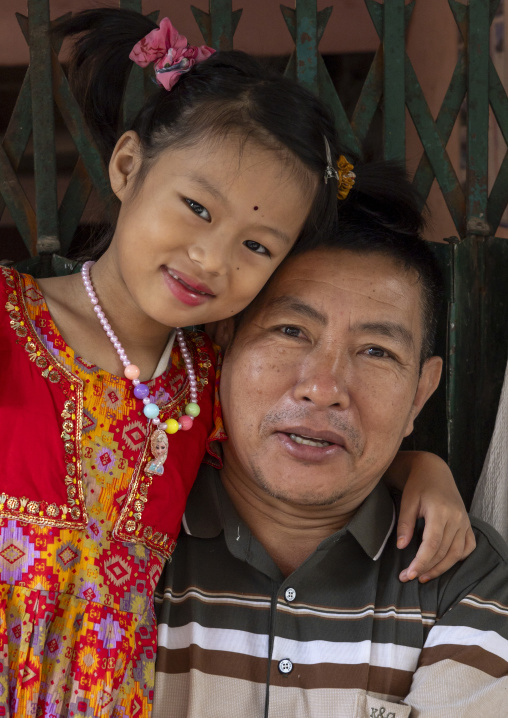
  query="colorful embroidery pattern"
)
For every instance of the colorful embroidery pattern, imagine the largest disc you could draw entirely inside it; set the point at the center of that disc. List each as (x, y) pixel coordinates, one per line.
(77, 628)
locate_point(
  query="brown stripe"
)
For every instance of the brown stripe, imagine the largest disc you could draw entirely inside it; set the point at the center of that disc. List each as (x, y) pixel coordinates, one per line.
(473, 656)
(387, 681)
(216, 663)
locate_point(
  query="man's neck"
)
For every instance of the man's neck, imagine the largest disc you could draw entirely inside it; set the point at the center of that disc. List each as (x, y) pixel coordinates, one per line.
(288, 532)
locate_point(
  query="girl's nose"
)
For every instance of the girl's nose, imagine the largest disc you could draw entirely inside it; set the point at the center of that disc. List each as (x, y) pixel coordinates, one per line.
(212, 257)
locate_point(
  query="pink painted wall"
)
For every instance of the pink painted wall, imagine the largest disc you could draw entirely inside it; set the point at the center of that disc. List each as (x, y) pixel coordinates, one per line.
(261, 30)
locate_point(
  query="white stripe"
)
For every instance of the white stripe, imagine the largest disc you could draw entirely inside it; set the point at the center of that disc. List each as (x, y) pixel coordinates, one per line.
(488, 605)
(214, 639)
(219, 599)
(384, 655)
(386, 537)
(464, 636)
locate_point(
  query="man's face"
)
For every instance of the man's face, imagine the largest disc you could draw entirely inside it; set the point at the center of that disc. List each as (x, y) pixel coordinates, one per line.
(323, 378)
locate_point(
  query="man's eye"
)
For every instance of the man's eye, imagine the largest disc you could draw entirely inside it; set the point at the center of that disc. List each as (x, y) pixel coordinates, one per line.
(256, 247)
(199, 209)
(291, 331)
(377, 352)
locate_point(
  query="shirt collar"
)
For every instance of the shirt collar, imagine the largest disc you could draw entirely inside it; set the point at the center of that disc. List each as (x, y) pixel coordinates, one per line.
(209, 511)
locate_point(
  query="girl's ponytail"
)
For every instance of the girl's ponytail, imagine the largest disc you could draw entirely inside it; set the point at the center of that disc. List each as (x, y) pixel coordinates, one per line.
(100, 66)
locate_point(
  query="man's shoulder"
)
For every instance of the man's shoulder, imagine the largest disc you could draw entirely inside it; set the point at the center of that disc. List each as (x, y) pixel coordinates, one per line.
(488, 540)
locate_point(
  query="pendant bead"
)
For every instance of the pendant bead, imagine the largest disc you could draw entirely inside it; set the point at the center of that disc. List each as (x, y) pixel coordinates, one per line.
(151, 411)
(192, 409)
(171, 426)
(141, 391)
(131, 371)
(185, 422)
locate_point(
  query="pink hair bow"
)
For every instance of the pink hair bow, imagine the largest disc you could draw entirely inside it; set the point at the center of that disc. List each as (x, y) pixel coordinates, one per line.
(169, 51)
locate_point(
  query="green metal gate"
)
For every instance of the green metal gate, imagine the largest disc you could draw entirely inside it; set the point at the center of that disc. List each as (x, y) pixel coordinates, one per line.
(474, 336)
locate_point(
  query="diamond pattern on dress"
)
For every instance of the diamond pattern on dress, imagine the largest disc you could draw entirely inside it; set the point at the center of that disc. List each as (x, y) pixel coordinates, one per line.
(12, 553)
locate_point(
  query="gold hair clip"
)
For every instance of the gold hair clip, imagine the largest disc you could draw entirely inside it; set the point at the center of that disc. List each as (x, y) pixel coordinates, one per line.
(343, 174)
(346, 177)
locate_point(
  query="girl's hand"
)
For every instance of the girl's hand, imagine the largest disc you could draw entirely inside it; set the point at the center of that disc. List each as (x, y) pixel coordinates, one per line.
(430, 492)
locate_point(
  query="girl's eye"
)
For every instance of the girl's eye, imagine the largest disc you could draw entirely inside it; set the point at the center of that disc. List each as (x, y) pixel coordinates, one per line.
(199, 209)
(256, 247)
(377, 352)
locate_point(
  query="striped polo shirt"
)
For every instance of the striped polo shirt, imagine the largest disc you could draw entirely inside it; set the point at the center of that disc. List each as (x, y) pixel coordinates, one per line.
(340, 637)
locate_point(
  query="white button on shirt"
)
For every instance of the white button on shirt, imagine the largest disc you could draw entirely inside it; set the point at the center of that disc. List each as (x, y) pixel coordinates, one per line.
(290, 594)
(285, 666)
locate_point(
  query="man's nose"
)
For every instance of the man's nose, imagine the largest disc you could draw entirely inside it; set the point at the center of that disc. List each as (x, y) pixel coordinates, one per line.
(323, 378)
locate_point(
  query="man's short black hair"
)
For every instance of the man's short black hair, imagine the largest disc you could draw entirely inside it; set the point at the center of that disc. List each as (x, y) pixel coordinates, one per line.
(381, 215)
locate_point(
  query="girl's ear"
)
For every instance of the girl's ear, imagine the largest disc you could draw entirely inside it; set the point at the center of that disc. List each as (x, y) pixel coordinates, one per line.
(124, 162)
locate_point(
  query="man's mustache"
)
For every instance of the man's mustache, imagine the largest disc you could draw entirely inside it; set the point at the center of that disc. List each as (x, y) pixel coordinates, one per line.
(323, 420)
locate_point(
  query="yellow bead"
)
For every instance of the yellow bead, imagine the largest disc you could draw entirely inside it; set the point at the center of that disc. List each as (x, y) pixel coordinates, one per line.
(171, 426)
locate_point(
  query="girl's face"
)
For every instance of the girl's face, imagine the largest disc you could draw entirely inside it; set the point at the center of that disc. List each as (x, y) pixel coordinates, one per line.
(204, 230)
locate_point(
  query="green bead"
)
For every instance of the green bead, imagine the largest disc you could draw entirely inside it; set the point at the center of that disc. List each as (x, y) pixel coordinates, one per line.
(192, 409)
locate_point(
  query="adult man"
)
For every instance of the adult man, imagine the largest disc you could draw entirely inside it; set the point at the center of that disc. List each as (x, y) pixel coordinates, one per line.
(283, 597)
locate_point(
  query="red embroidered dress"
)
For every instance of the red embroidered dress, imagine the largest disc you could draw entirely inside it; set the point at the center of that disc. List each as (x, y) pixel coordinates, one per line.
(83, 531)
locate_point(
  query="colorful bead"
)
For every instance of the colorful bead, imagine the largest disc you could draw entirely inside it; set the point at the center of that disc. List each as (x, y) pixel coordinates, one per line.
(185, 422)
(131, 371)
(192, 409)
(171, 426)
(141, 391)
(151, 411)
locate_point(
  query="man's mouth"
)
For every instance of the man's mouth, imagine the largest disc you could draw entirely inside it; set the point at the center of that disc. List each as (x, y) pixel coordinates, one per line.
(308, 440)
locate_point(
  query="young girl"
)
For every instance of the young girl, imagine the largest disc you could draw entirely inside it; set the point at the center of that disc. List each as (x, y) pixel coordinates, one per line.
(106, 407)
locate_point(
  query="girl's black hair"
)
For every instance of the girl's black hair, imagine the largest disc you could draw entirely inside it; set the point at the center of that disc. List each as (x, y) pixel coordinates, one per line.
(230, 92)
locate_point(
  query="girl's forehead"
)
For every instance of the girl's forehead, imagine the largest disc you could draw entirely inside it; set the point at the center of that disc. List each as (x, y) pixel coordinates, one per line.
(236, 152)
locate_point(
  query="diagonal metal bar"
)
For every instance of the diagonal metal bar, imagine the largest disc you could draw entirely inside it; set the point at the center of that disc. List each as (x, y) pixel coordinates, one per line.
(218, 26)
(73, 204)
(44, 129)
(306, 43)
(81, 135)
(73, 118)
(478, 110)
(19, 129)
(498, 100)
(370, 97)
(135, 91)
(325, 85)
(435, 148)
(17, 202)
(445, 122)
(394, 111)
(328, 93)
(390, 21)
(498, 197)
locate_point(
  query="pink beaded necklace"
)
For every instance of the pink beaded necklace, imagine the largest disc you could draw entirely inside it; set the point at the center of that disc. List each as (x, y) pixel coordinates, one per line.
(141, 391)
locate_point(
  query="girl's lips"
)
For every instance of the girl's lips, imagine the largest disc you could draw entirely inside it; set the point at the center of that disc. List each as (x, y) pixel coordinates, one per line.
(186, 289)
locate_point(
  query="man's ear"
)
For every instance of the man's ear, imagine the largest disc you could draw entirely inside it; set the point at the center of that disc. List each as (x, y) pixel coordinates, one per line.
(427, 385)
(221, 332)
(124, 162)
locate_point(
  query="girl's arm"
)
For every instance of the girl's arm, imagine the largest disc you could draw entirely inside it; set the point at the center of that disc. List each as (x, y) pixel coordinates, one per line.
(429, 491)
